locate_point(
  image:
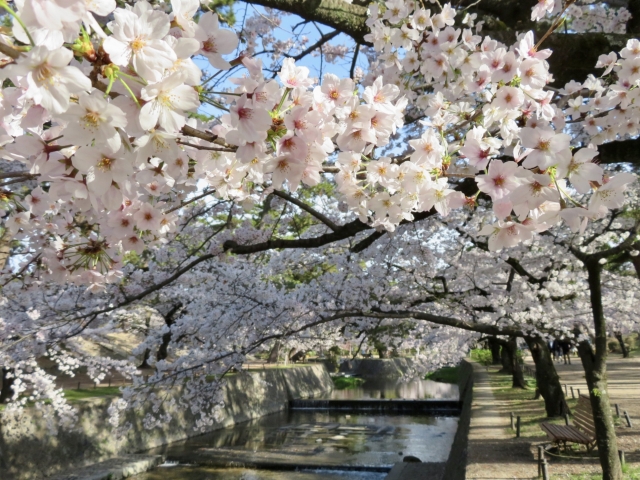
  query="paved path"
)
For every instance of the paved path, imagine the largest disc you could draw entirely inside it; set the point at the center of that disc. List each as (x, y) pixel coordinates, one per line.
(488, 436)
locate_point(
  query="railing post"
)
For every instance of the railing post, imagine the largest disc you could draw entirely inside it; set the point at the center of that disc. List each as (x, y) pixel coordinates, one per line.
(518, 427)
(617, 409)
(572, 394)
(621, 455)
(628, 418)
(540, 458)
(566, 419)
(545, 469)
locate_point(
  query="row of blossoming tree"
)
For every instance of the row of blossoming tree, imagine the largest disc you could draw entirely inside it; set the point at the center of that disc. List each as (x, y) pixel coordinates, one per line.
(150, 158)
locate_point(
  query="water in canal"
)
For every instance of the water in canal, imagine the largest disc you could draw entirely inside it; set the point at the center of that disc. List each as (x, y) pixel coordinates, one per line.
(314, 445)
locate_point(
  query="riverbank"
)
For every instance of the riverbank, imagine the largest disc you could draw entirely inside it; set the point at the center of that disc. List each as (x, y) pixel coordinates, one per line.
(495, 453)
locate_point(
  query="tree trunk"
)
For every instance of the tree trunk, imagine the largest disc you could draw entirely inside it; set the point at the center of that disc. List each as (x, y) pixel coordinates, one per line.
(595, 367)
(145, 359)
(169, 320)
(382, 349)
(494, 346)
(547, 379)
(275, 352)
(623, 347)
(506, 360)
(6, 383)
(163, 350)
(516, 368)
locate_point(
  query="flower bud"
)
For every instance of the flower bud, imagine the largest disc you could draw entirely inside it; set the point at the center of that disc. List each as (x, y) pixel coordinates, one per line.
(110, 71)
(84, 48)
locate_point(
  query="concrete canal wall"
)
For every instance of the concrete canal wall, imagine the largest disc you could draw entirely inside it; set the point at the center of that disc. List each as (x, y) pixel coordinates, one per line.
(455, 468)
(28, 451)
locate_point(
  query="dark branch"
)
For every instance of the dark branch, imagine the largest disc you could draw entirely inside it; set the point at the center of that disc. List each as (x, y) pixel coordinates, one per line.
(321, 41)
(327, 221)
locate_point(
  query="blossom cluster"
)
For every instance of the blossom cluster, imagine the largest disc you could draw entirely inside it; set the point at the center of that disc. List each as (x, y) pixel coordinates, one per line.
(104, 121)
(489, 115)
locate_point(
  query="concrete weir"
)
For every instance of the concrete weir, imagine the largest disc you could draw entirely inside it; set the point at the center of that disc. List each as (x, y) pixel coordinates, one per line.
(421, 407)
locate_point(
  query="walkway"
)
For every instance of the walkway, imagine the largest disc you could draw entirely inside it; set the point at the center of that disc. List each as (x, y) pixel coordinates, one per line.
(489, 440)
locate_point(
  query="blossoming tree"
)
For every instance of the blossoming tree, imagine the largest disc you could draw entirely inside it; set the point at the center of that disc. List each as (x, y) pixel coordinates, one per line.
(108, 152)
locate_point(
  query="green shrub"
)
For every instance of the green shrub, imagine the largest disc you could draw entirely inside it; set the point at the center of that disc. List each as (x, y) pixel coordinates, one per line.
(444, 375)
(482, 356)
(344, 383)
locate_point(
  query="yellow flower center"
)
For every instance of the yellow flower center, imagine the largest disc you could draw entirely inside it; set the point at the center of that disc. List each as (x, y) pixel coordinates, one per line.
(138, 44)
(105, 164)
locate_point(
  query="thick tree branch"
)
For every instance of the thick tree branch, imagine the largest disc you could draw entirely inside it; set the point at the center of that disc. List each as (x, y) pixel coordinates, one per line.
(338, 14)
(437, 319)
(624, 151)
(345, 231)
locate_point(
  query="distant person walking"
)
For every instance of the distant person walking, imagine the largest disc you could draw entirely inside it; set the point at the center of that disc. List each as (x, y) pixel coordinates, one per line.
(566, 351)
(557, 350)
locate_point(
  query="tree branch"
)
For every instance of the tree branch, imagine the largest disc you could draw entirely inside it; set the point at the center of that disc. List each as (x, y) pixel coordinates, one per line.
(326, 220)
(338, 14)
(323, 39)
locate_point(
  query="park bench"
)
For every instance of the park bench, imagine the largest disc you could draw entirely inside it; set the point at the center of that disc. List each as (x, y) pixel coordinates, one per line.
(584, 431)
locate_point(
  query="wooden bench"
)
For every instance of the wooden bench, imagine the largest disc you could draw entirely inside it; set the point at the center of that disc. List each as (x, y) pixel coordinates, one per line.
(584, 431)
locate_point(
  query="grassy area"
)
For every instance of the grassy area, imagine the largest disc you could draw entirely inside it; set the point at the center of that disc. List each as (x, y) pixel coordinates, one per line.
(522, 404)
(345, 383)
(82, 394)
(444, 375)
(629, 474)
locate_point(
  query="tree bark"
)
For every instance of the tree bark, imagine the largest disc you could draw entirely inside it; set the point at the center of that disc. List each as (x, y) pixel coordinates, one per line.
(547, 379)
(346, 18)
(494, 346)
(169, 320)
(6, 383)
(595, 367)
(623, 347)
(275, 352)
(145, 359)
(516, 368)
(506, 360)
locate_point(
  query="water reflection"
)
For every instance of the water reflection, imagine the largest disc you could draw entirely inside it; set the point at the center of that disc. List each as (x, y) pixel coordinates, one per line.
(208, 473)
(314, 439)
(414, 389)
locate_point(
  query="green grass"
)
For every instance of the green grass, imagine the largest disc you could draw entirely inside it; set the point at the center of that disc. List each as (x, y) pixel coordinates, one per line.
(629, 474)
(522, 404)
(444, 375)
(82, 394)
(345, 383)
